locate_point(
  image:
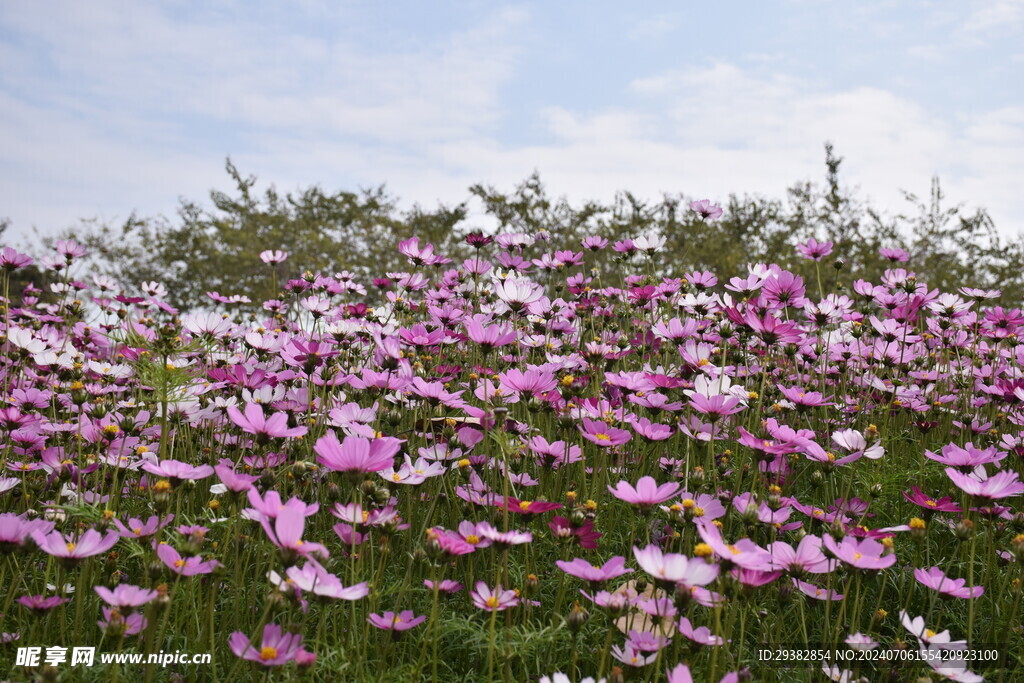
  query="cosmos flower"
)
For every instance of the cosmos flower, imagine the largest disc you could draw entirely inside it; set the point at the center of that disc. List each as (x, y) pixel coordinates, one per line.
(602, 434)
(273, 427)
(277, 647)
(675, 568)
(646, 493)
(865, 554)
(391, 621)
(496, 600)
(937, 580)
(75, 548)
(582, 569)
(1002, 484)
(356, 454)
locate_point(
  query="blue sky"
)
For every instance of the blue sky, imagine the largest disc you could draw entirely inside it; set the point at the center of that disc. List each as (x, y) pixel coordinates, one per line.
(110, 107)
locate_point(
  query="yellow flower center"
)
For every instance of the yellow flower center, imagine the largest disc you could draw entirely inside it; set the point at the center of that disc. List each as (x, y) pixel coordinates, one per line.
(602, 437)
(70, 547)
(472, 539)
(492, 602)
(268, 653)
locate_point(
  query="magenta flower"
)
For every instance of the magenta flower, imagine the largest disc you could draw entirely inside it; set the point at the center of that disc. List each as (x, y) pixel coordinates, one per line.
(496, 600)
(75, 548)
(273, 427)
(277, 647)
(966, 457)
(937, 580)
(451, 542)
(528, 507)
(918, 497)
(531, 382)
(136, 528)
(582, 569)
(864, 554)
(743, 553)
(602, 434)
(716, 407)
(39, 604)
(647, 492)
(489, 337)
(126, 595)
(185, 566)
(1002, 484)
(356, 454)
(177, 471)
(894, 254)
(814, 250)
(584, 533)
(286, 534)
(10, 259)
(389, 621)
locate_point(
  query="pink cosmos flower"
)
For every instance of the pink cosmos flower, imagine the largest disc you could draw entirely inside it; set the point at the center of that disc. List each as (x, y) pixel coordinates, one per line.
(675, 568)
(582, 569)
(489, 337)
(136, 528)
(276, 648)
(356, 454)
(116, 623)
(40, 604)
(449, 541)
(496, 600)
(743, 553)
(126, 595)
(706, 209)
(807, 557)
(716, 407)
(647, 492)
(1002, 484)
(814, 250)
(701, 635)
(861, 554)
(177, 471)
(602, 434)
(445, 586)
(313, 578)
(504, 538)
(389, 621)
(253, 422)
(286, 534)
(185, 566)
(918, 497)
(966, 457)
(75, 548)
(271, 256)
(816, 592)
(937, 580)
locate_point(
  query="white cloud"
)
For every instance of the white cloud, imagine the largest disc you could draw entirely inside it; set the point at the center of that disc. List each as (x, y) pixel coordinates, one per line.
(126, 121)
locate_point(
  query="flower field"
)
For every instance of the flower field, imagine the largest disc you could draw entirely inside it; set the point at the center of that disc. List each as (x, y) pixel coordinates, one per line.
(514, 468)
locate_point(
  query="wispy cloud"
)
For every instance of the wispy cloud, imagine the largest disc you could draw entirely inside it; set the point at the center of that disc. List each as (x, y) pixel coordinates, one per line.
(110, 107)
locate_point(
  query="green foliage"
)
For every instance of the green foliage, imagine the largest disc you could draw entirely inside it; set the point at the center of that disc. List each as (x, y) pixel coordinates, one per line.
(216, 247)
